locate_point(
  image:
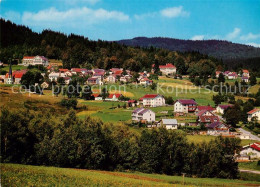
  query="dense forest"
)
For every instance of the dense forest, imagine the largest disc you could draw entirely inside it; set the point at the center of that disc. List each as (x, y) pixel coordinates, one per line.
(43, 138)
(78, 51)
(218, 48)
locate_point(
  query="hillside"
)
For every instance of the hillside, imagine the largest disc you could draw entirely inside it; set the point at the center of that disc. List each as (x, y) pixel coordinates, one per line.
(22, 175)
(216, 48)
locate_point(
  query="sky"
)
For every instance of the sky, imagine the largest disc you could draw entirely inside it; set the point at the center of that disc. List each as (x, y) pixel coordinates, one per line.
(233, 20)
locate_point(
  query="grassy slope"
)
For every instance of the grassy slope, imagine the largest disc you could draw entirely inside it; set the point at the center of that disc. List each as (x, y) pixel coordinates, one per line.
(22, 175)
(14, 67)
(249, 165)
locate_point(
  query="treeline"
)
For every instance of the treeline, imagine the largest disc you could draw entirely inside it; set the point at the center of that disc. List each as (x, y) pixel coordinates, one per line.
(46, 139)
(78, 51)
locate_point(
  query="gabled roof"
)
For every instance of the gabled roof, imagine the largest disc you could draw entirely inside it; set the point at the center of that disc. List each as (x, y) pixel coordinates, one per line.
(141, 111)
(167, 66)
(245, 71)
(169, 121)
(28, 57)
(96, 95)
(92, 79)
(255, 146)
(206, 119)
(150, 96)
(111, 95)
(187, 101)
(131, 101)
(208, 108)
(201, 112)
(253, 111)
(215, 125)
(224, 106)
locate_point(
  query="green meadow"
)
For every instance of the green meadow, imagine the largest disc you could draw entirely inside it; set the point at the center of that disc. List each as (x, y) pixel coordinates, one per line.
(26, 175)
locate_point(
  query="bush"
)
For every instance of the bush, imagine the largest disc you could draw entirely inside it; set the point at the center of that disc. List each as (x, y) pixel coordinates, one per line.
(69, 103)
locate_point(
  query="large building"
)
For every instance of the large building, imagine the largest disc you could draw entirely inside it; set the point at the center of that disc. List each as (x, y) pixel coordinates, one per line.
(143, 115)
(168, 69)
(185, 106)
(35, 60)
(153, 100)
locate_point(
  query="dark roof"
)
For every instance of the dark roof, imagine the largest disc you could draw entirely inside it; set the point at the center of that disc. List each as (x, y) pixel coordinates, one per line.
(187, 101)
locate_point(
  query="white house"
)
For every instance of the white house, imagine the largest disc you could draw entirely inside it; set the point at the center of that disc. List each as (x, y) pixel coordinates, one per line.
(254, 113)
(252, 150)
(143, 115)
(54, 76)
(93, 80)
(153, 100)
(113, 97)
(168, 69)
(146, 81)
(35, 60)
(232, 75)
(185, 106)
(221, 108)
(245, 73)
(111, 78)
(245, 79)
(217, 128)
(169, 123)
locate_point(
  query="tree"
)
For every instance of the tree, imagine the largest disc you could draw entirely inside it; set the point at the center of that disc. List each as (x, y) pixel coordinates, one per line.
(233, 115)
(221, 78)
(104, 93)
(197, 81)
(169, 100)
(153, 86)
(87, 93)
(252, 79)
(61, 80)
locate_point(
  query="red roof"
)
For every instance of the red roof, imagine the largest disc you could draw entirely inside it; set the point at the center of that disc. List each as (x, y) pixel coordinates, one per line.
(119, 72)
(131, 101)
(149, 96)
(211, 119)
(225, 106)
(63, 70)
(253, 111)
(207, 108)
(255, 146)
(111, 95)
(167, 66)
(18, 75)
(96, 95)
(28, 57)
(245, 71)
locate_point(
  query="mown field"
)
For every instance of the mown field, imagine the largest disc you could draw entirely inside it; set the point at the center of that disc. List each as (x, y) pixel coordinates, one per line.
(24, 175)
(249, 165)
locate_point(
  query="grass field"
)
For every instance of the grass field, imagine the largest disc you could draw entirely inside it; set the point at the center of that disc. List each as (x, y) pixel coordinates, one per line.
(22, 175)
(14, 67)
(249, 165)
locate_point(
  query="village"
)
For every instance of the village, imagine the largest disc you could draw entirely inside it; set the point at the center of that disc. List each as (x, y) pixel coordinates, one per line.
(152, 109)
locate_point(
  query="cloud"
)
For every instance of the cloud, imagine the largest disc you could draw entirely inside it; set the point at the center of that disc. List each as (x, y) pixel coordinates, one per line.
(71, 17)
(11, 15)
(233, 34)
(146, 15)
(174, 12)
(250, 36)
(198, 37)
(92, 2)
(254, 44)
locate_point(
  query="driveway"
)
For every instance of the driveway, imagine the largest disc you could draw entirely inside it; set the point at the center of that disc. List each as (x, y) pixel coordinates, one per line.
(252, 136)
(249, 171)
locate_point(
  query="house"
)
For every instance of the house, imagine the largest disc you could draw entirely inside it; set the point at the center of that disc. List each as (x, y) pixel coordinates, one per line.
(252, 150)
(169, 123)
(35, 60)
(132, 103)
(207, 117)
(97, 97)
(232, 75)
(67, 80)
(221, 108)
(15, 78)
(111, 78)
(145, 81)
(185, 106)
(245, 73)
(245, 79)
(125, 78)
(99, 72)
(93, 80)
(113, 97)
(254, 113)
(53, 76)
(143, 115)
(153, 100)
(217, 128)
(168, 69)
(200, 108)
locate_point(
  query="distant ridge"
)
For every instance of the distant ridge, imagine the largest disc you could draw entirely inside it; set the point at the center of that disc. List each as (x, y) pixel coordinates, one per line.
(218, 48)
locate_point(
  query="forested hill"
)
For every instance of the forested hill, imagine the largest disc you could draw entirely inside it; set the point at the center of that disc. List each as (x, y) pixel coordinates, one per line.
(216, 48)
(78, 51)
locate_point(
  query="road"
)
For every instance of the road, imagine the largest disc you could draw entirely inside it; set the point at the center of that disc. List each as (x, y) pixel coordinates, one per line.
(252, 136)
(249, 171)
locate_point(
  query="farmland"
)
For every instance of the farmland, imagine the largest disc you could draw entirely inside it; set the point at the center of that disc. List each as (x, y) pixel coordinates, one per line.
(25, 175)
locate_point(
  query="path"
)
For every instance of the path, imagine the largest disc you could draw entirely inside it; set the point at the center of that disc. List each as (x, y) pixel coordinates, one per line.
(249, 171)
(252, 136)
